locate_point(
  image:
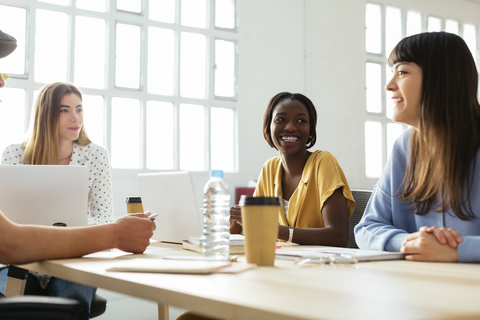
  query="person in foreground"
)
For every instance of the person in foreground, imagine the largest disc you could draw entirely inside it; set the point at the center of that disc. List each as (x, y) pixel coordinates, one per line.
(57, 136)
(427, 203)
(316, 196)
(28, 243)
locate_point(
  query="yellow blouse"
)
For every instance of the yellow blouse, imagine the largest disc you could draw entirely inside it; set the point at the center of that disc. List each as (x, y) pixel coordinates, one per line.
(321, 176)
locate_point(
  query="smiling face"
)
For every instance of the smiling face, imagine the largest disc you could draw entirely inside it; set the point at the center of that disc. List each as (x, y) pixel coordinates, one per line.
(406, 91)
(70, 120)
(290, 126)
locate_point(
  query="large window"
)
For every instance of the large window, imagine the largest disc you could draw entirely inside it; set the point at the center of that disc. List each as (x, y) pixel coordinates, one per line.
(158, 76)
(385, 27)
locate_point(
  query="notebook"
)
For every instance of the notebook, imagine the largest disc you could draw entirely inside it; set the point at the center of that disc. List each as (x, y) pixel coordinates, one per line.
(169, 266)
(44, 194)
(172, 196)
(357, 254)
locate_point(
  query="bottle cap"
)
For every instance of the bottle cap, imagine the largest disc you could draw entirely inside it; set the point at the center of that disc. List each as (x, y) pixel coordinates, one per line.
(133, 200)
(258, 201)
(216, 174)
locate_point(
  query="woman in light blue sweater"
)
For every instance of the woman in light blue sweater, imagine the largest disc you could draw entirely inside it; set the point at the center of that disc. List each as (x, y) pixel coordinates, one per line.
(427, 202)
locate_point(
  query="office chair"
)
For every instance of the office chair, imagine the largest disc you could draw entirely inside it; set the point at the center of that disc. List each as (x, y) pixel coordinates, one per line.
(361, 197)
(97, 308)
(38, 308)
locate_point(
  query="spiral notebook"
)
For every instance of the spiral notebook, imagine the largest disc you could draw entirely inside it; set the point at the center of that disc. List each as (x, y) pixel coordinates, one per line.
(357, 254)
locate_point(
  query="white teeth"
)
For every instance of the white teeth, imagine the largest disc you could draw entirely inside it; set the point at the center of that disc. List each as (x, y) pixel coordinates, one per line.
(397, 100)
(290, 139)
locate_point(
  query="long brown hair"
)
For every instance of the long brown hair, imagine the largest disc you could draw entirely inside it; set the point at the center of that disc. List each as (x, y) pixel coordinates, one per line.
(442, 152)
(41, 146)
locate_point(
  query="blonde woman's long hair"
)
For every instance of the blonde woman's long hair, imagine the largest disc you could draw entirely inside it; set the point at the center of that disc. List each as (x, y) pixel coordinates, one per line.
(41, 146)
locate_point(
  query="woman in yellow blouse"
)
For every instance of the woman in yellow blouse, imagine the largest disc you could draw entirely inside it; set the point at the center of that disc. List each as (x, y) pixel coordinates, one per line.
(317, 198)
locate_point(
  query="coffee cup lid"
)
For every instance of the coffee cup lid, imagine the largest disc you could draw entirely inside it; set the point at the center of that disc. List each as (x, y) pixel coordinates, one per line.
(133, 200)
(259, 201)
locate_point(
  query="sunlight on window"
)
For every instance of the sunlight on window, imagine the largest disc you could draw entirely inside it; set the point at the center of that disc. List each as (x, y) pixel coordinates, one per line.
(434, 24)
(192, 65)
(225, 14)
(14, 23)
(92, 5)
(224, 68)
(414, 23)
(373, 20)
(93, 118)
(162, 10)
(130, 5)
(222, 138)
(51, 44)
(127, 66)
(394, 130)
(373, 149)
(451, 26)
(161, 61)
(59, 2)
(12, 116)
(393, 28)
(160, 138)
(374, 87)
(192, 137)
(125, 133)
(90, 64)
(470, 37)
(194, 13)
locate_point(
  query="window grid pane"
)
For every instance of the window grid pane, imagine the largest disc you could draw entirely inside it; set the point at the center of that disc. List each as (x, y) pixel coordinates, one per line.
(373, 20)
(374, 87)
(224, 68)
(414, 23)
(194, 13)
(160, 136)
(125, 133)
(434, 24)
(451, 26)
(93, 5)
(162, 10)
(373, 149)
(14, 23)
(12, 116)
(93, 108)
(225, 14)
(161, 61)
(89, 64)
(127, 68)
(470, 37)
(51, 46)
(393, 28)
(222, 139)
(192, 65)
(130, 5)
(192, 137)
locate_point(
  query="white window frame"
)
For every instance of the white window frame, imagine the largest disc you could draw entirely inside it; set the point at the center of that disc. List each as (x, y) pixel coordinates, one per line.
(113, 16)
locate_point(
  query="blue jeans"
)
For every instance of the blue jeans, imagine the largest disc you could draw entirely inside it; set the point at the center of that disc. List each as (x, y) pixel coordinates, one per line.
(56, 288)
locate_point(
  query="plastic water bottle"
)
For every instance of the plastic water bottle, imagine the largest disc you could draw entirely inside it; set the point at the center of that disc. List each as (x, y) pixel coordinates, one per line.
(216, 217)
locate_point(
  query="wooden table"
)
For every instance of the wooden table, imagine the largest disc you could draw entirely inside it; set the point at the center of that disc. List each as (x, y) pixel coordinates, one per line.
(368, 290)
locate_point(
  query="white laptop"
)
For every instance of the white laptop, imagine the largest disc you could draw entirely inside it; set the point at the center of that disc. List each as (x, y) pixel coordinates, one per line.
(172, 196)
(44, 194)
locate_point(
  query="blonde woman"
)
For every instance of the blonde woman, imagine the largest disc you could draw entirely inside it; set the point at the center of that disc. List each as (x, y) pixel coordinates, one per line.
(57, 136)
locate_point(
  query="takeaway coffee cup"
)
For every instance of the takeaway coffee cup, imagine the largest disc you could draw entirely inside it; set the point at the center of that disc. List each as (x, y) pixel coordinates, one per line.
(260, 227)
(134, 204)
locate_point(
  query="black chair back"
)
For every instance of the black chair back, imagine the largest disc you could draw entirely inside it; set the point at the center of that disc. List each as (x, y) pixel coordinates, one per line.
(361, 197)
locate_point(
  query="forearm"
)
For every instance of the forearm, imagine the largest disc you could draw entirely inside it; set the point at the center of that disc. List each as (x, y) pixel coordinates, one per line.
(315, 236)
(27, 243)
